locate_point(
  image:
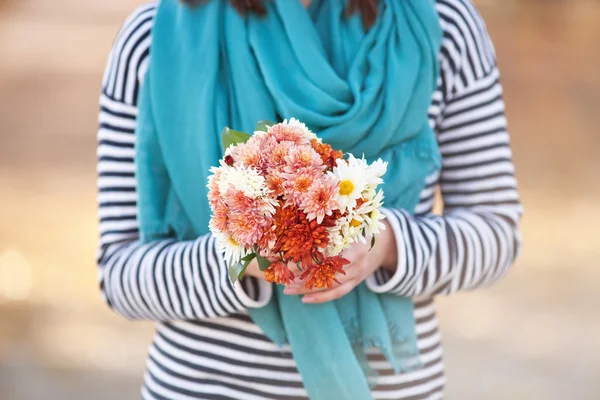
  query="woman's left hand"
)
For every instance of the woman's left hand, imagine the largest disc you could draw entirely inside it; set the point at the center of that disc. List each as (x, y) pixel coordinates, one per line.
(362, 264)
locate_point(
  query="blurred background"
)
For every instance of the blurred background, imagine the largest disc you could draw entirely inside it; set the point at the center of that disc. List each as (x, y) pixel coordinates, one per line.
(533, 336)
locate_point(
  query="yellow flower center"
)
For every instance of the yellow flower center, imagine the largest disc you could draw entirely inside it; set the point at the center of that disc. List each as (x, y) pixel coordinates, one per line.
(232, 241)
(354, 223)
(346, 187)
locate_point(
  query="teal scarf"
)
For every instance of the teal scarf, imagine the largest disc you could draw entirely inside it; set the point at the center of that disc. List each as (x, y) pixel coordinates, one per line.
(365, 93)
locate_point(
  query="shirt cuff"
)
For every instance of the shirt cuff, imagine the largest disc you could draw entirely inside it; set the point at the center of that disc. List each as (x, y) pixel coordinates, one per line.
(253, 294)
(385, 281)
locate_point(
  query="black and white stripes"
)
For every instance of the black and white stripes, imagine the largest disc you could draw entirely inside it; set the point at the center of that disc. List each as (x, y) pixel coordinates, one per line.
(129, 59)
(206, 346)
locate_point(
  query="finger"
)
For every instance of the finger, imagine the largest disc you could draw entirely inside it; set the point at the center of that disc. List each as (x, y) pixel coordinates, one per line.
(355, 253)
(297, 287)
(298, 290)
(331, 294)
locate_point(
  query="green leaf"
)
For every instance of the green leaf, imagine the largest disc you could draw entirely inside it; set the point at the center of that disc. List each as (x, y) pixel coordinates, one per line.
(263, 125)
(231, 136)
(249, 257)
(237, 271)
(263, 263)
(372, 241)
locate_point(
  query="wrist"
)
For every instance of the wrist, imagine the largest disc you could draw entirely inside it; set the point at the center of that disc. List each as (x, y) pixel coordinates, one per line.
(389, 248)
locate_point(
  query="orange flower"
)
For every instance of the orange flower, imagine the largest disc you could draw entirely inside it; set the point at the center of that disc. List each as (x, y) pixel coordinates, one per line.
(299, 240)
(283, 217)
(279, 273)
(322, 276)
(328, 155)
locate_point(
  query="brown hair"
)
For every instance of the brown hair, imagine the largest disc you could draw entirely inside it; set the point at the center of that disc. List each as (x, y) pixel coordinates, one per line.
(367, 8)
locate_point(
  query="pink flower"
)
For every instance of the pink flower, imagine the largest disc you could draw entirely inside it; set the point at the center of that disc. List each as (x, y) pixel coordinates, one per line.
(237, 153)
(321, 198)
(300, 157)
(275, 181)
(247, 221)
(220, 216)
(275, 166)
(278, 152)
(292, 131)
(262, 139)
(296, 185)
(213, 180)
(247, 227)
(254, 153)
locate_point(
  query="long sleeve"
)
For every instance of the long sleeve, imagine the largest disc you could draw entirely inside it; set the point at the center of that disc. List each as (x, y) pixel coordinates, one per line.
(163, 280)
(476, 240)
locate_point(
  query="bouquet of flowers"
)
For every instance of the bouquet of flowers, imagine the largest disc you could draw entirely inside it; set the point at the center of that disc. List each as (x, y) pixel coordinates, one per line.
(283, 196)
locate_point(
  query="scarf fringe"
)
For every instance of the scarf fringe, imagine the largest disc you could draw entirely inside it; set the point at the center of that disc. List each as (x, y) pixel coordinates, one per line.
(403, 357)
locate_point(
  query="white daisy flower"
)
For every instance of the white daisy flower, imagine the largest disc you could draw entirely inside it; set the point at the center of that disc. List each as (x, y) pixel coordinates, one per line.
(374, 173)
(374, 216)
(368, 206)
(336, 242)
(373, 222)
(342, 236)
(353, 180)
(369, 193)
(233, 251)
(378, 168)
(353, 231)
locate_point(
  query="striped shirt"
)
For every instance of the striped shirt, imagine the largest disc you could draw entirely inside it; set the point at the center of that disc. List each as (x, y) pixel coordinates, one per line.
(205, 345)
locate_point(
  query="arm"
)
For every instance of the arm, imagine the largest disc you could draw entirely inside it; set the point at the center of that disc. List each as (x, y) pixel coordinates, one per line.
(477, 238)
(163, 280)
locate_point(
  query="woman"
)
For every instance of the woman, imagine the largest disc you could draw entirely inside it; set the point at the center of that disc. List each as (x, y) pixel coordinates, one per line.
(206, 345)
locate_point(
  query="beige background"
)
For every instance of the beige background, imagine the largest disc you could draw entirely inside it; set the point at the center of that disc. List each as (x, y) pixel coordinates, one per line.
(533, 336)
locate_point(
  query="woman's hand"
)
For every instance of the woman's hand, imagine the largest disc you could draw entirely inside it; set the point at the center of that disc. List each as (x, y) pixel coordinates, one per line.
(362, 264)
